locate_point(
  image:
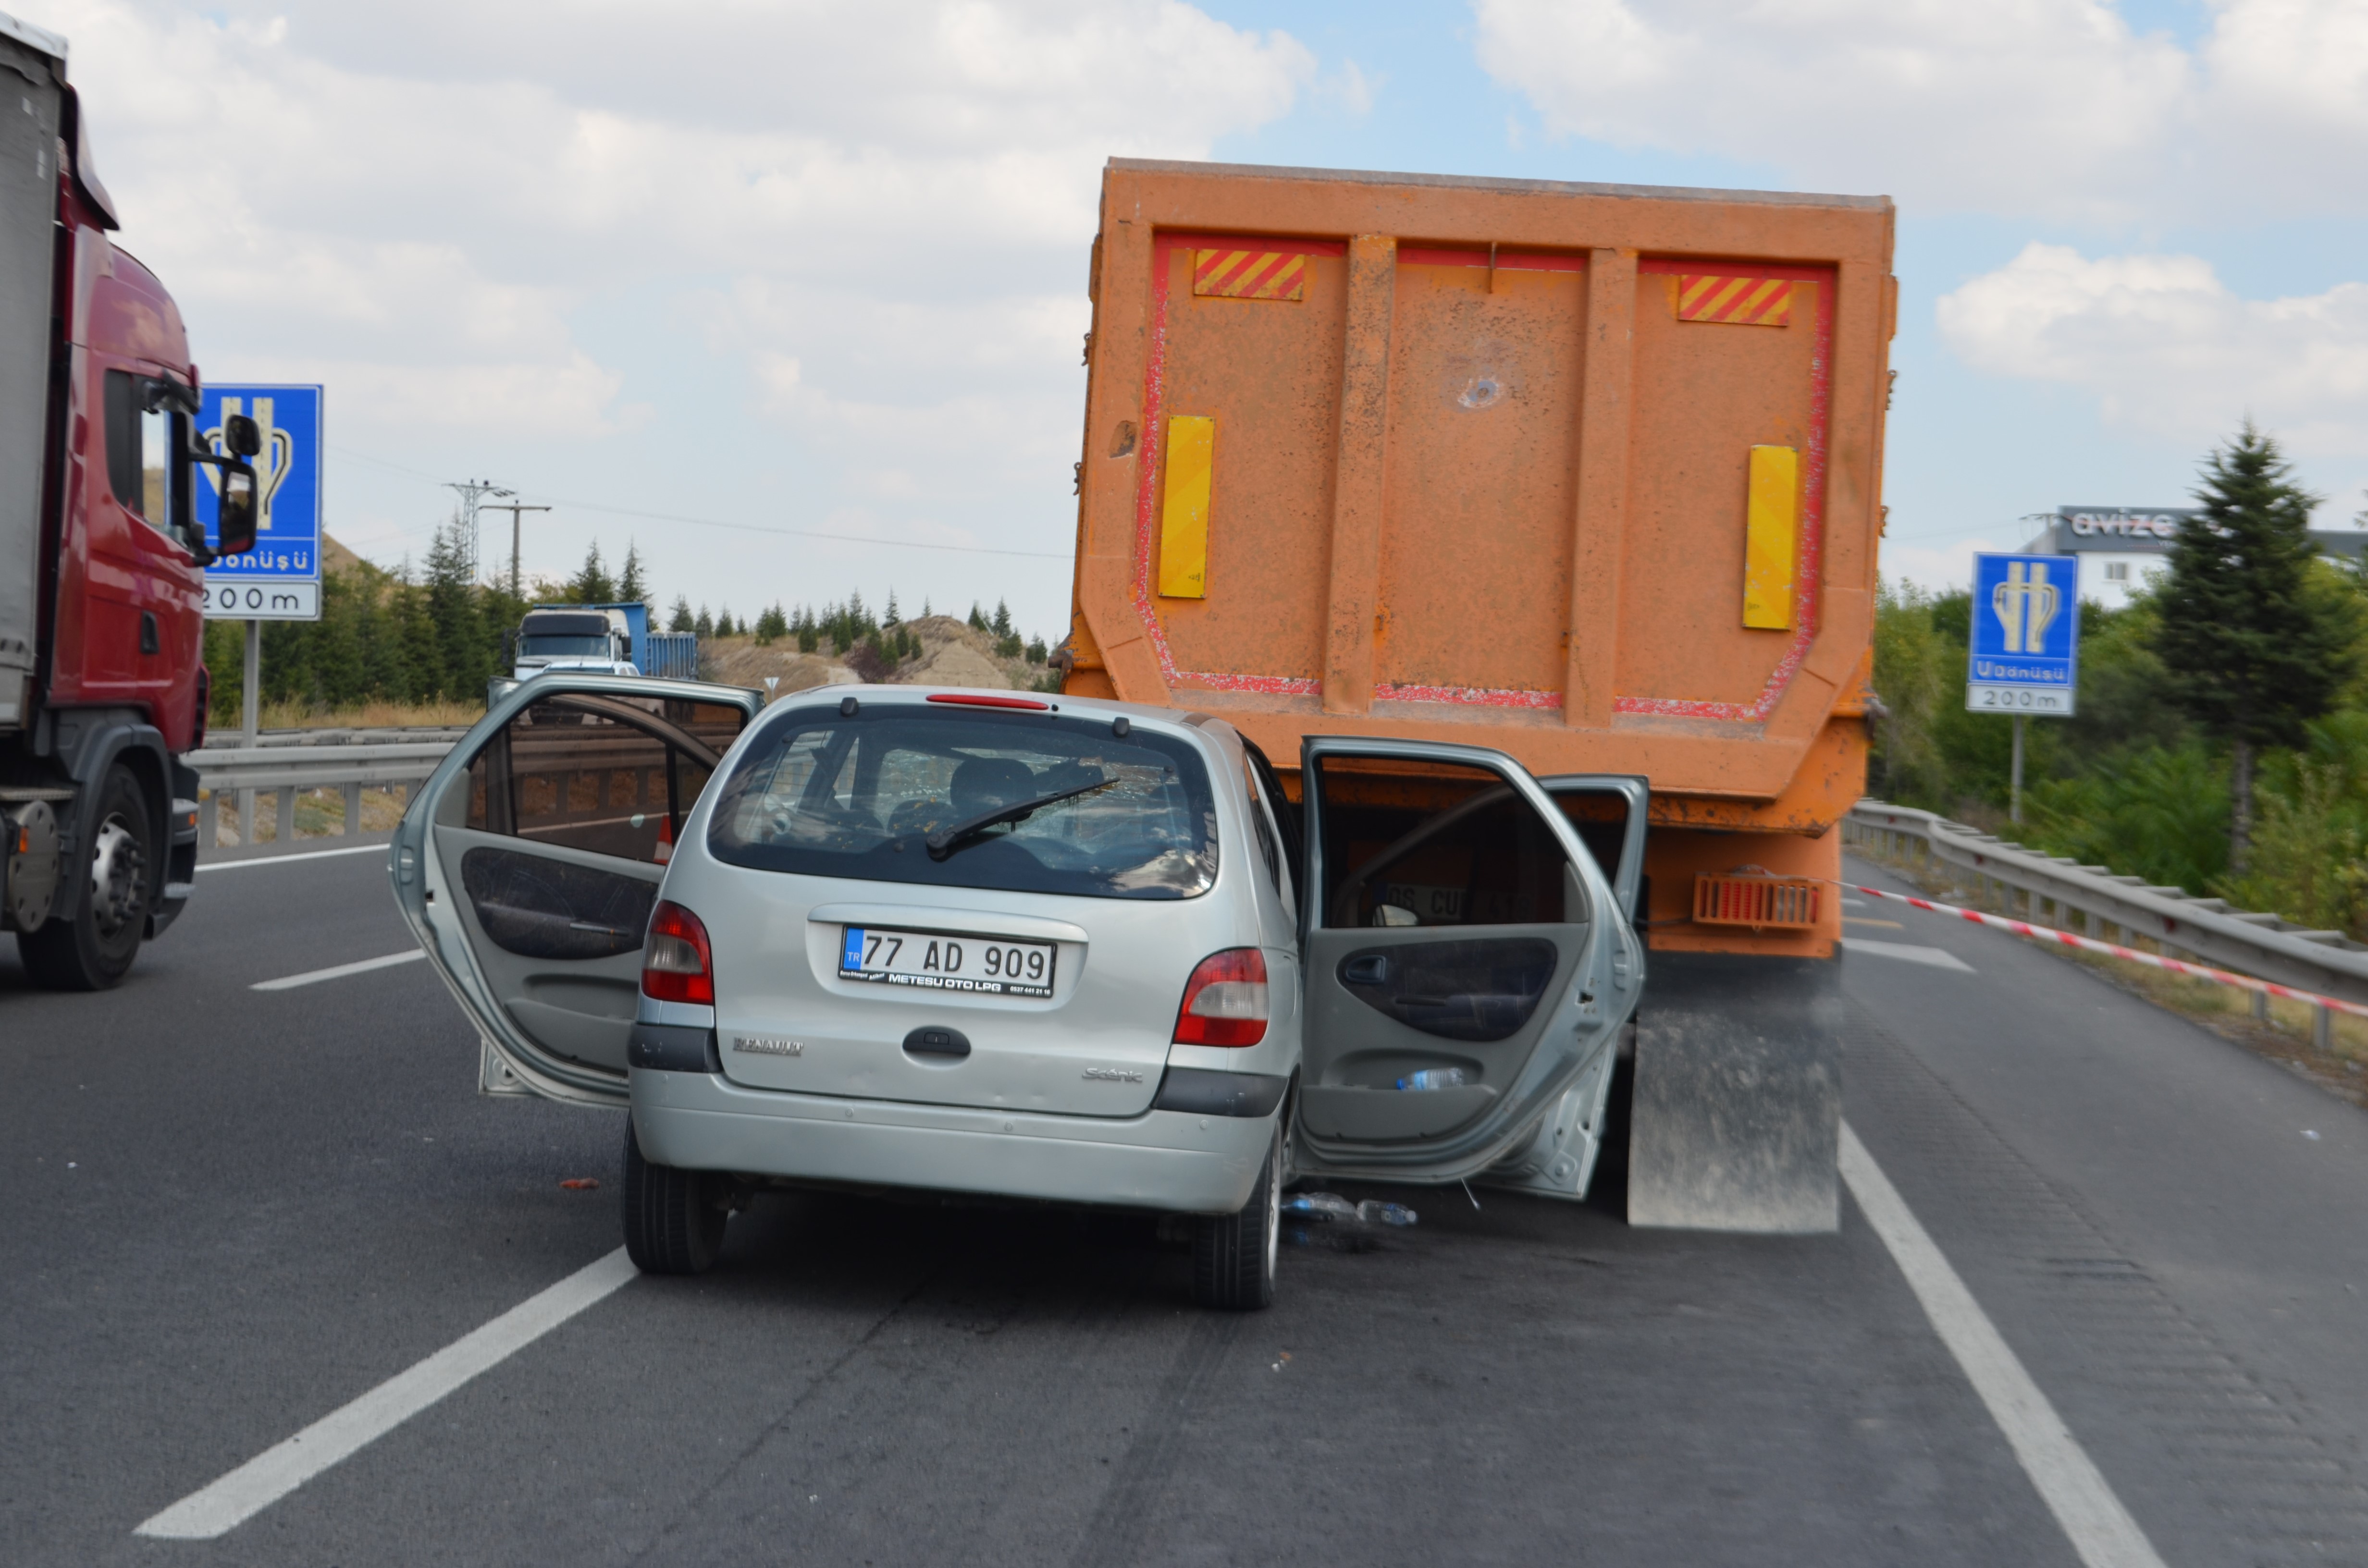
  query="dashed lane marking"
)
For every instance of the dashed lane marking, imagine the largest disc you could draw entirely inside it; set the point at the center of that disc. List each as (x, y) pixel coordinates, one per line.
(1906, 952)
(283, 859)
(275, 1473)
(2100, 1529)
(337, 972)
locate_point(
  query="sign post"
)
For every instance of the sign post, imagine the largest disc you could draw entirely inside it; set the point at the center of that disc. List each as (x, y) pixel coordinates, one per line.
(2024, 656)
(280, 579)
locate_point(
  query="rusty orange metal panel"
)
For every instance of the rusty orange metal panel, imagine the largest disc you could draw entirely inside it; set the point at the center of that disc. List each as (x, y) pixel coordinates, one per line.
(1409, 543)
(1485, 383)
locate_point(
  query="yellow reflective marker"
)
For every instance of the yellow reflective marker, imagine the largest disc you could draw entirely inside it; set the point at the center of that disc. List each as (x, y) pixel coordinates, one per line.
(1770, 527)
(1184, 514)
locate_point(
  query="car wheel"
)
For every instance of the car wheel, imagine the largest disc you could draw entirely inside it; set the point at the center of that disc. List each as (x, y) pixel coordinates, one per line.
(673, 1219)
(1234, 1254)
(93, 948)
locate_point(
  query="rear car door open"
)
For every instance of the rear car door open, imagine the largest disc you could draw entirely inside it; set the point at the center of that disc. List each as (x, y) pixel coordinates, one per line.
(1467, 970)
(529, 864)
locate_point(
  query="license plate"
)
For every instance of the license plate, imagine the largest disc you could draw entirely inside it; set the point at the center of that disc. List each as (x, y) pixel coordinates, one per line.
(994, 966)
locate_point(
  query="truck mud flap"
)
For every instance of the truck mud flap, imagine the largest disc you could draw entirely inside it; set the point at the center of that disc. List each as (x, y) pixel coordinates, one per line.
(1736, 1116)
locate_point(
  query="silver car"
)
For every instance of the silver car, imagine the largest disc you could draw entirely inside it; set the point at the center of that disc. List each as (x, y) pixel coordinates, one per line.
(1037, 948)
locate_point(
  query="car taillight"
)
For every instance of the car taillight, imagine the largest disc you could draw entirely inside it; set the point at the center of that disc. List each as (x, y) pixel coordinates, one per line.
(1225, 1001)
(677, 965)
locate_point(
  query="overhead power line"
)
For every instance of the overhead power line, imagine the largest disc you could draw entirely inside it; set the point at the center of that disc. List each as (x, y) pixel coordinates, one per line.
(737, 528)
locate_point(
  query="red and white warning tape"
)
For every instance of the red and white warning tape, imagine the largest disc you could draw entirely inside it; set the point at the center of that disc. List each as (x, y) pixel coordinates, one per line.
(2153, 960)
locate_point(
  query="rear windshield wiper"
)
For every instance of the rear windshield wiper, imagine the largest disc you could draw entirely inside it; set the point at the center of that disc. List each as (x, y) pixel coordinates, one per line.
(946, 840)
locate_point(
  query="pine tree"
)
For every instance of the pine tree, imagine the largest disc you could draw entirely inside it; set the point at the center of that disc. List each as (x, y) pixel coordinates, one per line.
(1002, 624)
(889, 618)
(772, 624)
(705, 624)
(592, 585)
(631, 587)
(2255, 648)
(926, 611)
(679, 619)
(977, 622)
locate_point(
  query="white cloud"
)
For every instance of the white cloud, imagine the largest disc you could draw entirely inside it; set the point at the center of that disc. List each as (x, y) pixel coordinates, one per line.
(2052, 108)
(2169, 350)
(879, 212)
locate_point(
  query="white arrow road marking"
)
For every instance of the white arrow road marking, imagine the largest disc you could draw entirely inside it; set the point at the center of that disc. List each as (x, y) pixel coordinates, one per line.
(2100, 1529)
(1906, 952)
(337, 972)
(275, 1473)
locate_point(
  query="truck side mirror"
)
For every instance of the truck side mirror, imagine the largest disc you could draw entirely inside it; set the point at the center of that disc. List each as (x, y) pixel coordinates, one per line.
(241, 435)
(237, 512)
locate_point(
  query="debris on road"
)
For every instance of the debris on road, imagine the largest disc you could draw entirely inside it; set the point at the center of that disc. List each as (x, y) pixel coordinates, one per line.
(1325, 1207)
(580, 1184)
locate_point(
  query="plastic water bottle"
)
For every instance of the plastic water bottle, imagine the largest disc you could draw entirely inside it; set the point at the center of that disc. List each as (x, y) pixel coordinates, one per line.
(1434, 1078)
(1320, 1206)
(1373, 1212)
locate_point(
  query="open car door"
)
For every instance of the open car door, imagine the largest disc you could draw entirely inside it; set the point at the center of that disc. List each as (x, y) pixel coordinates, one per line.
(527, 865)
(1468, 971)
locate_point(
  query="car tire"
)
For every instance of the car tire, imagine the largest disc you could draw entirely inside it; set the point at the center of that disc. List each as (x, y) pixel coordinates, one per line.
(673, 1219)
(93, 948)
(1234, 1254)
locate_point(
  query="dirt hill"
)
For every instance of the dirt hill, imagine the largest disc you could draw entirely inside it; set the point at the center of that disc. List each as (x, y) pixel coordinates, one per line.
(952, 655)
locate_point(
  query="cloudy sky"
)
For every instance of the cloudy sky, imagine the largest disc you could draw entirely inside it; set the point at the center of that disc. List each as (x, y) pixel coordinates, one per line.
(791, 293)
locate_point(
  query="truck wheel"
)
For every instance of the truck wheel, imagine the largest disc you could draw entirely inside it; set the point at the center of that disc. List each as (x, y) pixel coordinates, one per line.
(673, 1219)
(1233, 1255)
(93, 948)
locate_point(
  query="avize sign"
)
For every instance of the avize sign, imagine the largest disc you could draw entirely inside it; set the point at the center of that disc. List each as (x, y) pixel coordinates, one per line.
(2024, 657)
(280, 578)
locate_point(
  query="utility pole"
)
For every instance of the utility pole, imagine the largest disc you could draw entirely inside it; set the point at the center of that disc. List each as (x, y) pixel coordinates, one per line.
(513, 508)
(473, 495)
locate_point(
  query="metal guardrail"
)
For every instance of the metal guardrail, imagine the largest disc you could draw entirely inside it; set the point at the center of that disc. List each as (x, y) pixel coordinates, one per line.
(2206, 930)
(359, 760)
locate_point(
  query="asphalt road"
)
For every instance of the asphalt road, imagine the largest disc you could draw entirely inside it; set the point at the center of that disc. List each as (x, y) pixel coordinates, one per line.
(236, 1212)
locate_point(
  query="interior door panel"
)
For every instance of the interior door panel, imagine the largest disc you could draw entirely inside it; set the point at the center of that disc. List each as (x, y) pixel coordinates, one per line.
(550, 831)
(1455, 965)
(544, 923)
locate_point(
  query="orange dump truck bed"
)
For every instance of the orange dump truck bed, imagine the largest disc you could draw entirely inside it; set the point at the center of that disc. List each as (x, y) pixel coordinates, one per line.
(1587, 473)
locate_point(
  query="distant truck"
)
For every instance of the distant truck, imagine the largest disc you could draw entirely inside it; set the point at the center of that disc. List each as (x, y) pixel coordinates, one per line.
(602, 638)
(102, 556)
(1588, 475)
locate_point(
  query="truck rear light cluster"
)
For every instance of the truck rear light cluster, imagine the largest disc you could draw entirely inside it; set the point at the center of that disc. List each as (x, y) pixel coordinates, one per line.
(1225, 1000)
(1754, 898)
(677, 963)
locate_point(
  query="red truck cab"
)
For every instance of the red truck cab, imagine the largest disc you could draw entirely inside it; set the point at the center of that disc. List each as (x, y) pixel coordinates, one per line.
(102, 557)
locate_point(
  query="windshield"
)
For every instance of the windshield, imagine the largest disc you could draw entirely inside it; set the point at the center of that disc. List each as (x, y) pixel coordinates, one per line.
(825, 795)
(549, 647)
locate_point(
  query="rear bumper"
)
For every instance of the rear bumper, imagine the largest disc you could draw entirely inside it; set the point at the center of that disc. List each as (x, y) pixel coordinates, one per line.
(1167, 1159)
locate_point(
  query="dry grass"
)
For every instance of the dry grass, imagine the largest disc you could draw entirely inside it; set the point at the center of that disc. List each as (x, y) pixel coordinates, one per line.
(365, 716)
(2284, 1036)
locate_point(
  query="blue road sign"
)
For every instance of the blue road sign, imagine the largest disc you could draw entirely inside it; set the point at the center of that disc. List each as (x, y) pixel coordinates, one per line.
(280, 578)
(2025, 656)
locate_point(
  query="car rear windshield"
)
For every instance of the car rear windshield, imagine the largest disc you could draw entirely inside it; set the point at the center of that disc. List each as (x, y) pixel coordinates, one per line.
(825, 794)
